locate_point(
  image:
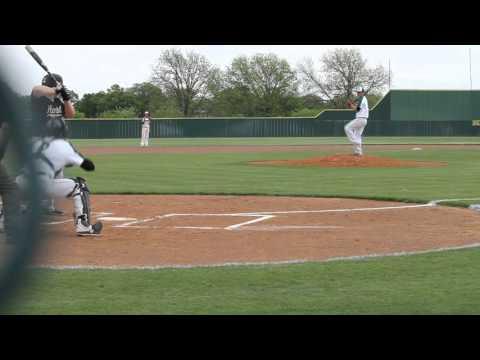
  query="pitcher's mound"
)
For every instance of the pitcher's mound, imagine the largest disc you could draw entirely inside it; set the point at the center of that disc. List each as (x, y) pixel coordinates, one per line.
(347, 160)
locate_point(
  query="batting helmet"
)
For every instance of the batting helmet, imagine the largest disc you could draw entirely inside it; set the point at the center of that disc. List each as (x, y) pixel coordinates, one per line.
(51, 82)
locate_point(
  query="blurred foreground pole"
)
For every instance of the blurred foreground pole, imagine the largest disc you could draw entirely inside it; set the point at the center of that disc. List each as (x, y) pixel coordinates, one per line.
(21, 230)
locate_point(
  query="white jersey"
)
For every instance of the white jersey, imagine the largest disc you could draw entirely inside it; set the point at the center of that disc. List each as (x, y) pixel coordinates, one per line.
(53, 155)
(146, 121)
(363, 112)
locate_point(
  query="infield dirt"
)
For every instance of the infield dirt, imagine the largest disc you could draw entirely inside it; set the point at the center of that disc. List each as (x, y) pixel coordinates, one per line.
(299, 229)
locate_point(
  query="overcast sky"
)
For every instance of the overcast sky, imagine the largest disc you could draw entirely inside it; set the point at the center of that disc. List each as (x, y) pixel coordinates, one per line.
(92, 68)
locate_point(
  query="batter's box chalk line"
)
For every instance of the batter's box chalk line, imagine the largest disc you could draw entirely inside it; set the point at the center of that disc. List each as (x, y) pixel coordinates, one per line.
(259, 216)
(99, 215)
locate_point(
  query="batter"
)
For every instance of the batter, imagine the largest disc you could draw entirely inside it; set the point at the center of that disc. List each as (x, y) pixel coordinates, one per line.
(51, 104)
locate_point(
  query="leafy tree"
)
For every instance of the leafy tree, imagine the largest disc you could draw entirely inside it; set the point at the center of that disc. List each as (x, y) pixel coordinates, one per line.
(261, 85)
(183, 77)
(118, 98)
(341, 71)
(128, 112)
(307, 112)
(114, 99)
(312, 101)
(91, 104)
(146, 97)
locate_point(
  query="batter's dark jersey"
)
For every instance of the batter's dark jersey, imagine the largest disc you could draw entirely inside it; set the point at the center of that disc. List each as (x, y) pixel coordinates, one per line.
(46, 114)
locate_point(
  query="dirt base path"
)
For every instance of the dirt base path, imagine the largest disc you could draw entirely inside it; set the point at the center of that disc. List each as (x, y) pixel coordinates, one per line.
(159, 230)
(94, 150)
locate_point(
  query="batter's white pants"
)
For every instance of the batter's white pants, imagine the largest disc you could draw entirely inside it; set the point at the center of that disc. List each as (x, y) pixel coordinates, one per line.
(354, 130)
(145, 135)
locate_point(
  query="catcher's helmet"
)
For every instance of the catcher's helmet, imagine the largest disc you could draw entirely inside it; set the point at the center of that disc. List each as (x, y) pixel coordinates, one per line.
(50, 82)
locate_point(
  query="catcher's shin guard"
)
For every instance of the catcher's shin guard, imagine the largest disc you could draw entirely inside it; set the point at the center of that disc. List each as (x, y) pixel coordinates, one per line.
(82, 218)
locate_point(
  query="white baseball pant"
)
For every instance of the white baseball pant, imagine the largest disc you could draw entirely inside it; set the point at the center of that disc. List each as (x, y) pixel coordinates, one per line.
(354, 130)
(145, 135)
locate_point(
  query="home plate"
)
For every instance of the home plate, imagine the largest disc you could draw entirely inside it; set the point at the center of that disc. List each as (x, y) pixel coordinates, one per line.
(110, 218)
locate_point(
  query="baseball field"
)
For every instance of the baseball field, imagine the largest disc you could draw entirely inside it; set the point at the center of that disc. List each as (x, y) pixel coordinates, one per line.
(267, 226)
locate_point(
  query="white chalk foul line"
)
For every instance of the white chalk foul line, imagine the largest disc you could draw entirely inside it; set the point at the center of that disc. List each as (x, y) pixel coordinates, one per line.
(199, 227)
(406, 253)
(288, 227)
(132, 224)
(57, 222)
(343, 210)
(263, 215)
(238, 226)
(450, 200)
(259, 263)
(110, 218)
(101, 214)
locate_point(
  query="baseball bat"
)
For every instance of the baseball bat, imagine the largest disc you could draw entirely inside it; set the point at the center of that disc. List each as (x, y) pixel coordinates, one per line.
(39, 60)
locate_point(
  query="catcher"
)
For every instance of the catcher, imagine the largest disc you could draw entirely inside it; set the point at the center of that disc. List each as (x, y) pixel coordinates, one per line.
(52, 154)
(354, 129)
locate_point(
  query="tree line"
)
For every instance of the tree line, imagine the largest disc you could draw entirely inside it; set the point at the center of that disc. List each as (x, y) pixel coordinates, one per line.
(187, 84)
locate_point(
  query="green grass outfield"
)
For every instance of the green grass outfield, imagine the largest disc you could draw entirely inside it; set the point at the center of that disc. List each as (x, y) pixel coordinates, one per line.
(437, 283)
(230, 173)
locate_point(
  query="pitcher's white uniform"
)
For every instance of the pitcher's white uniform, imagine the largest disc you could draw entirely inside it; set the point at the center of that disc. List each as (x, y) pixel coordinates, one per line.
(354, 129)
(51, 156)
(145, 129)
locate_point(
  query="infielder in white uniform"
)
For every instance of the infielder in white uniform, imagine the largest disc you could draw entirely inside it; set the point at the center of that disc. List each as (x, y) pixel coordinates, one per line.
(145, 129)
(354, 129)
(52, 155)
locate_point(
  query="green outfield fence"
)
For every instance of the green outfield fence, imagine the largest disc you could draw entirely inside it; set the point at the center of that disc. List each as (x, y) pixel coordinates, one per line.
(398, 113)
